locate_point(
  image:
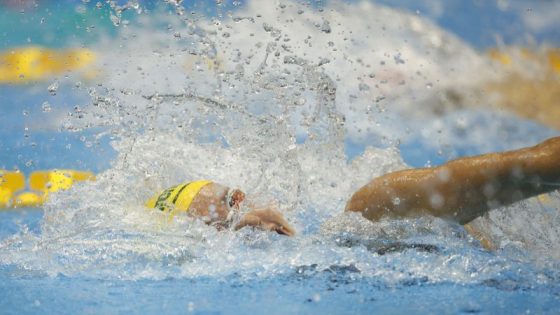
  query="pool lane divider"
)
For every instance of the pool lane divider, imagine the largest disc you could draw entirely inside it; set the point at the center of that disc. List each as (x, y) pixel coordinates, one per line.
(13, 193)
(22, 65)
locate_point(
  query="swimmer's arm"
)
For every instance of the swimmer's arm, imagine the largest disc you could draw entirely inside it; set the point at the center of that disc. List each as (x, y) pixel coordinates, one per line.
(266, 219)
(463, 189)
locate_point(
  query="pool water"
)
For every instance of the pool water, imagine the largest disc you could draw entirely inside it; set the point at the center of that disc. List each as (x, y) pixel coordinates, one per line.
(299, 105)
(423, 266)
(441, 278)
(302, 291)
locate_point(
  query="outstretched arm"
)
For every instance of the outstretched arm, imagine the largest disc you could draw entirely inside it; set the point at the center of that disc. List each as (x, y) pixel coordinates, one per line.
(462, 189)
(266, 219)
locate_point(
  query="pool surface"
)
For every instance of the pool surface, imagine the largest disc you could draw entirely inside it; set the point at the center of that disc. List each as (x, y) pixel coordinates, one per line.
(297, 103)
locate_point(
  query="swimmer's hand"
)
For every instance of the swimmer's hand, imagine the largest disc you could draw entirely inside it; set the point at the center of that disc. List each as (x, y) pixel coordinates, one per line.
(268, 220)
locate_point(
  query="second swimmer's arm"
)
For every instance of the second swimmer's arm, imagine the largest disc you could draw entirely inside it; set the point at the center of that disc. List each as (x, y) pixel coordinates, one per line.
(463, 189)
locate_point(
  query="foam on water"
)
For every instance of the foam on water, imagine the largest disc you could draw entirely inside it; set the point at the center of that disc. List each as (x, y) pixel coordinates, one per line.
(264, 100)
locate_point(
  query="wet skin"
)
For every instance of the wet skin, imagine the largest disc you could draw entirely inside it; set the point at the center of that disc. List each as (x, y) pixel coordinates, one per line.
(463, 189)
(210, 204)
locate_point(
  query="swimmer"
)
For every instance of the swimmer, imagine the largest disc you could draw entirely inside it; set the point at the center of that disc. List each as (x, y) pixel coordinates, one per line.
(219, 206)
(460, 191)
(463, 189)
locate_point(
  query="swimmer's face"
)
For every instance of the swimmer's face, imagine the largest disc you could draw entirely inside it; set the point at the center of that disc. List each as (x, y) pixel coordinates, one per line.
(237, 197)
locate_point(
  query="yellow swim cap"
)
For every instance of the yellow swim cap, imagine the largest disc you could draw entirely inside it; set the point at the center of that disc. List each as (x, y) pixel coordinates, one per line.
(177, 198)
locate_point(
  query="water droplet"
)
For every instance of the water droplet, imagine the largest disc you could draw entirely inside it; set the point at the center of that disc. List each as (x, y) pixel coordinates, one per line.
(398, 59)
(46, 107)
(326, 27)
(53, 88)
(300, 101)
(317, 297)
(429, 85)
(363, 87)
(127, 91)
(323, 61)
(115, 20)
(25, 112)
(81, 9)
(267, 28)
(436, 200)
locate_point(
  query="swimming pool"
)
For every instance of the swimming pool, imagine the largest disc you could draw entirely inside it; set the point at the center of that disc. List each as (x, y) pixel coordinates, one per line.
(451, 275)
(293, 102)
(302, 290)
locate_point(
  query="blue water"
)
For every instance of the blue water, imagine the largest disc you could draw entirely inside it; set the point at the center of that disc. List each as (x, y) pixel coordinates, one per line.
(95, 249)
(517, 287)
(302, 290)
(502, 281)
(323, 292)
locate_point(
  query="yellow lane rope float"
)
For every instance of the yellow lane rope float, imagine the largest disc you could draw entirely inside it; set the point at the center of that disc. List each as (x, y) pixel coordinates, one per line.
(177, 198)
(29, 64)
(10, 182)
(22, 65)
(41, 183)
